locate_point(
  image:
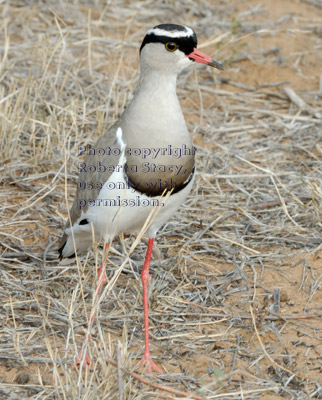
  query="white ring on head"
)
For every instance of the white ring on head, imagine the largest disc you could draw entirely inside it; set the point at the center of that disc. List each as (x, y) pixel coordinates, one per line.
(172, 34)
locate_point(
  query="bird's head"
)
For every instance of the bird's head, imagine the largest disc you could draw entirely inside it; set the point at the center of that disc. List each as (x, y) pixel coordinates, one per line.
(170, 48)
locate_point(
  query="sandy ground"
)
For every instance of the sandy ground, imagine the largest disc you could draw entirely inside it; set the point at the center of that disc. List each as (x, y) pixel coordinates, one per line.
(236, 296)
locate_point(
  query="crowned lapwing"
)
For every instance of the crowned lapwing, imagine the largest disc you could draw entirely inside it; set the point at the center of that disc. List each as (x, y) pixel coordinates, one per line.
(148, 152)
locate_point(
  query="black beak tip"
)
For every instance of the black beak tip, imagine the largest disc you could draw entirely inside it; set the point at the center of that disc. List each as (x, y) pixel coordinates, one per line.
(216, 64)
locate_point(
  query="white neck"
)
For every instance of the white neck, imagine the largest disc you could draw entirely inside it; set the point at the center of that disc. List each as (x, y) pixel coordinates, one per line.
(155, 113)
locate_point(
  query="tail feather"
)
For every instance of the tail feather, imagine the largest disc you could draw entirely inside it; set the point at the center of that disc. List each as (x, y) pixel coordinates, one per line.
(62, 244)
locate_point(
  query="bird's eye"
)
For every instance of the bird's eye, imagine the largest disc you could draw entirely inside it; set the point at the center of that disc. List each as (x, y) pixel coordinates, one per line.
(171, 46)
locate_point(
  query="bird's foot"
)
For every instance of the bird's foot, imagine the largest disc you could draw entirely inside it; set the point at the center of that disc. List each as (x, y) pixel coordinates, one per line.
(149, 365)
(83, 360)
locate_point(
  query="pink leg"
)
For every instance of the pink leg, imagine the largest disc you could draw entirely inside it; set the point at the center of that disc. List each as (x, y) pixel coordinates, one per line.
(101, 281)
(146, 359)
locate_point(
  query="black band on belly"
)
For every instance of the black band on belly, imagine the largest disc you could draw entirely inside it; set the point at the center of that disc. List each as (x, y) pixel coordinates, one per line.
(158, 190)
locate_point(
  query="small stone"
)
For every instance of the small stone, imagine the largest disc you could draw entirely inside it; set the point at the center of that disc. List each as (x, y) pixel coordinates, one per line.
(22, 378)
(284, 296)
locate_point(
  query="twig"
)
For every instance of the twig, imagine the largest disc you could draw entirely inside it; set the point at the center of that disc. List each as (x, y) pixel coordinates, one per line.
(265, 352)
(156, 385)
(296, 99)
(119, 370)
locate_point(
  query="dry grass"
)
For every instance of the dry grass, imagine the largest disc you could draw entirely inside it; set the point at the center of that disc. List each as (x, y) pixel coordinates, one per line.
(236, 299)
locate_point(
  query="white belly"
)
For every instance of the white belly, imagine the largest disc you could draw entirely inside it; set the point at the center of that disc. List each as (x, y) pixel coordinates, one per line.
(126, 210)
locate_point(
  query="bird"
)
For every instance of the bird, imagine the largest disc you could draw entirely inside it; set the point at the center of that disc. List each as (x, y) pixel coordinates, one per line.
(147, 153)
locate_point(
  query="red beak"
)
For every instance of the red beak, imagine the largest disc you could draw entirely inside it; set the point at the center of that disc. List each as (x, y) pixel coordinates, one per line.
(202, 58)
